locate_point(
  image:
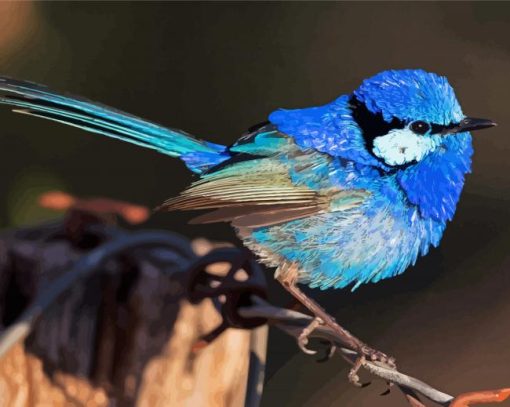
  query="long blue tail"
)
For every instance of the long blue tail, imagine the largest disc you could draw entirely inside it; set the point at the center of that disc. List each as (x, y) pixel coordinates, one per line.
(36, 100)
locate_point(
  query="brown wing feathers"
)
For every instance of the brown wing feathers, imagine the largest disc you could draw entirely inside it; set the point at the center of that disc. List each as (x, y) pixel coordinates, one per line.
(262, 197)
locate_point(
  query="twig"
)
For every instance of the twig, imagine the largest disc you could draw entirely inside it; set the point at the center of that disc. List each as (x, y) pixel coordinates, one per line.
(84, 267)
(292, 323)
(488, 396)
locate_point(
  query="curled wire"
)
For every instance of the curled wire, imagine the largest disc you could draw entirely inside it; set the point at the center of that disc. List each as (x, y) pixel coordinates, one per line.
(230, 291)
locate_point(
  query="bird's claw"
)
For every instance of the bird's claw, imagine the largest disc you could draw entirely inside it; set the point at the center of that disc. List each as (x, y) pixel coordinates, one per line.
(302, 339)
(370, 355)
(302, 342)
(378, 356)
(388, 389)
(353, 373)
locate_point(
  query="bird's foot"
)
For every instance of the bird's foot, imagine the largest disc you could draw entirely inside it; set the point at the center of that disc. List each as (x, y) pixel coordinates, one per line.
(353, 373)
(302, 339)
(374, 355)
(287, 274)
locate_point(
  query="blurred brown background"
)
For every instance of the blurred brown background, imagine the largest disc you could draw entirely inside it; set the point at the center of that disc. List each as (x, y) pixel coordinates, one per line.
(214, 69)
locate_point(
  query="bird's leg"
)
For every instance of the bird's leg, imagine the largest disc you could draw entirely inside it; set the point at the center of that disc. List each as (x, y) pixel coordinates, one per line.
(287, 275)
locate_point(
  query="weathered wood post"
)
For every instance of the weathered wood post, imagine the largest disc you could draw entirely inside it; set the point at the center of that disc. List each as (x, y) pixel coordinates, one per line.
(123, 336)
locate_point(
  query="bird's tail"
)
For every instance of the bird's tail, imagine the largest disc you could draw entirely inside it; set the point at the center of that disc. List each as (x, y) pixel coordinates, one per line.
(36, 100)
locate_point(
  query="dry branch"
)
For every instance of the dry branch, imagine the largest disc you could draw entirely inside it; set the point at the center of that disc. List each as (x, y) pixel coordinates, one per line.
(488, 396)
(293, 322)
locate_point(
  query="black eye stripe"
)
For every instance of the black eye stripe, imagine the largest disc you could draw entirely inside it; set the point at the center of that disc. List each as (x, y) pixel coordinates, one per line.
(438, 128)
(372, 125)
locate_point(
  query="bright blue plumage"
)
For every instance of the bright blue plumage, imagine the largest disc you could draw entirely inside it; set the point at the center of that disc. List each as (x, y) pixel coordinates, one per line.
(351, 192)
(39, 101)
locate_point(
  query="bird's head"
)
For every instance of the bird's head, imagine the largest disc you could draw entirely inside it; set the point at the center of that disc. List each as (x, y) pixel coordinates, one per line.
(406, 115)
(406, 123)
(393, 120)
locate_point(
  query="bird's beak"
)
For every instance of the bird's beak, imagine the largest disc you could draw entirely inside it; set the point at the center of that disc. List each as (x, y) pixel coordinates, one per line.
(469, 124)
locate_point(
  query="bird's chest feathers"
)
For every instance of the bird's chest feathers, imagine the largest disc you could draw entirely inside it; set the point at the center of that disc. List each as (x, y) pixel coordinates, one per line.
(435, 183)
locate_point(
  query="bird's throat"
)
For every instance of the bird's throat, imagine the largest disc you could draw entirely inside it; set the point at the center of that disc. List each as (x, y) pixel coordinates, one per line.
(436, 182)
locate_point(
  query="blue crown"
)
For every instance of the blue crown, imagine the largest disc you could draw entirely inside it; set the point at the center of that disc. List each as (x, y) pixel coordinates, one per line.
(411, 94)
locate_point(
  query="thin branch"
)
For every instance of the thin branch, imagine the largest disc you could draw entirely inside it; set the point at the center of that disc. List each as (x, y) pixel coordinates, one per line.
(292, 322)
(488, 396)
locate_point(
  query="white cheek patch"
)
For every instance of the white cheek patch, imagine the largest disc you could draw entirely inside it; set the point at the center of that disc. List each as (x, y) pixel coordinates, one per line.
(402, 146)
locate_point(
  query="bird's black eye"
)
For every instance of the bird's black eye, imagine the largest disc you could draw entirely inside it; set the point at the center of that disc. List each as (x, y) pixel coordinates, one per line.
(419, 127)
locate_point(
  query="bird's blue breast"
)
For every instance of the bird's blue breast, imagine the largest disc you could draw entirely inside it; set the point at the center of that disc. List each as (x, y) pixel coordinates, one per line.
(434, 184)
(378, 240)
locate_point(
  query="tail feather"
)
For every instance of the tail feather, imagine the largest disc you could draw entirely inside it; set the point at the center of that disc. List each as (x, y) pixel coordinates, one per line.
(36, 100)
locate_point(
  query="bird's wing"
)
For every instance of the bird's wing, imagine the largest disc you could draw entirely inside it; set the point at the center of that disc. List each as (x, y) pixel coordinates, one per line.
(257, 193)
(37, 100)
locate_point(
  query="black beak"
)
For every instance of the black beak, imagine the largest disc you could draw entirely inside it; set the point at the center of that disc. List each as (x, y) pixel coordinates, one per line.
(468, 124)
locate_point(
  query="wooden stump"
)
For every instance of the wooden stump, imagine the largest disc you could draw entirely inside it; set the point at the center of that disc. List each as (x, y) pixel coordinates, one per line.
(123, 337)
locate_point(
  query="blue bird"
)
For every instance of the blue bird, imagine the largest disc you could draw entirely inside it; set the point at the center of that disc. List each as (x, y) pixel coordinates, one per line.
(338, 195)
